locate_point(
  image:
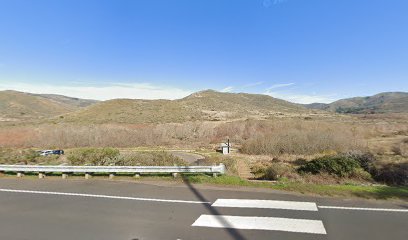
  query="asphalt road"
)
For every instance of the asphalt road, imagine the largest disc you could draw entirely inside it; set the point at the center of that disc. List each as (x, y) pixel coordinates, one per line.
(98, 209)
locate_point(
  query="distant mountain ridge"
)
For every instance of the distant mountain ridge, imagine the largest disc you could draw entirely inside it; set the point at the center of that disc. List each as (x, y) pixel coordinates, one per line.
(16, 105)
(77, 102)
(387, 102)
(208, 105)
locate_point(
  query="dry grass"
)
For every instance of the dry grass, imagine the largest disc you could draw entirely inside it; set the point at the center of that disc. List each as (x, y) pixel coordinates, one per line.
(302, 137)
(284, 139)
(25, 106)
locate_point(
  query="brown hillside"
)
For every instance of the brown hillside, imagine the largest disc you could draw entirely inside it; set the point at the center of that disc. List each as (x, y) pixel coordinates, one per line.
(205, 105)
(389, 102)
(25, 106)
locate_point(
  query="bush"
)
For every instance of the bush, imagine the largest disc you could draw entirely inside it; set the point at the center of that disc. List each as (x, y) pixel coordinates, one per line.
(299, 141)
(11, 156)
(93, 156)
(396, 149)
(361, 174)
(112, 157)
(393, 173)
(271, 171)
(230, 163)
(26, 156)
(148, 159)
(338, 165)
(366, 160)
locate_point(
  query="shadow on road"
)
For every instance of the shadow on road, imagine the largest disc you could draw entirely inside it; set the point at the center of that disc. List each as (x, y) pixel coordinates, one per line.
(234, 233)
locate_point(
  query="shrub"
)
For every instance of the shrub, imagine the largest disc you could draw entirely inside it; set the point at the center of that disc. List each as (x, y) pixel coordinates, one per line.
(271, 171)
(276, 171)
(338, 165)
(393, 173)
(299, 140)
(93, 156)
(366, 160)
(11, 156)
(396, 149)
(230, 163)
(148, 159)
(361, 174)
(403, 147)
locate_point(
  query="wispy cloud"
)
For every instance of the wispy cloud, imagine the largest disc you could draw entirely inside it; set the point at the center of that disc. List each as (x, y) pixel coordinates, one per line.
(301, 98)
(227, 89)
(102, 92)
(253, 84)
(269, 3)
(280, 85)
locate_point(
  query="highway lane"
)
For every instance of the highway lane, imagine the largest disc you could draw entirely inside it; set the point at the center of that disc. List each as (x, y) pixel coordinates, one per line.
(99, 209)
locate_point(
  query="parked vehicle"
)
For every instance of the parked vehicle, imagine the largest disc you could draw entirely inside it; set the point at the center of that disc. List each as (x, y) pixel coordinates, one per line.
(58, 152)
(51, 152)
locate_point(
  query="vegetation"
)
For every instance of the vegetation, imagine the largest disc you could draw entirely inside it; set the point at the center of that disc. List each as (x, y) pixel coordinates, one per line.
(306, 139)
(352, 167)
(229, 162)
(342, 166)
(25, 156)
(380, 103)
(205, 105)
(344, 190)
(159, 158)
(272, 171)
(25, 106)
(112, 157)
(302, 150)
(93, 156)
(393, 174)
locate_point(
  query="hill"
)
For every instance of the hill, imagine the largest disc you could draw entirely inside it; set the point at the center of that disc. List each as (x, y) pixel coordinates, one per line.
(26, 106)
(388, 102)
(71, 101)
(206, 105)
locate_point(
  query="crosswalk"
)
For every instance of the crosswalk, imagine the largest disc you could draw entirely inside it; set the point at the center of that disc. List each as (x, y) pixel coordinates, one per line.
(272, 204)
(261, 222)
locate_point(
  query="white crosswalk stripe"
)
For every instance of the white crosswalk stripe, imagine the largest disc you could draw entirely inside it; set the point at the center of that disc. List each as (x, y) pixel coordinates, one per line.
(251, 203)
(262, 223)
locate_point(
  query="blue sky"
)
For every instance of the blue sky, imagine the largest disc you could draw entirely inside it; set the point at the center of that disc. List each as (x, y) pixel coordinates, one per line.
(299, 50)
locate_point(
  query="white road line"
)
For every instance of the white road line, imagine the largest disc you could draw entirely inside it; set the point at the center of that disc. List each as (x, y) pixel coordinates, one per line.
(261, 223)
(365, 209)
(101, 196)
(254, 203)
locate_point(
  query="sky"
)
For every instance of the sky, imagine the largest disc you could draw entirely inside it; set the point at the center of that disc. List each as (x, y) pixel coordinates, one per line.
(302, 51)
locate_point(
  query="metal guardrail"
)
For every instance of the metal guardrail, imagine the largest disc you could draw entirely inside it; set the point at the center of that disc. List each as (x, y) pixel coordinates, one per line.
(218, 169)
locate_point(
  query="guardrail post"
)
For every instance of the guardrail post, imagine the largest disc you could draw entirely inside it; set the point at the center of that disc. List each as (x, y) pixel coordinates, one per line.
(174, 174)
(222, 165)
(64, 176)
(87, 175)
(20, 174)
(111, 175)
(214, 174)
(41, 175)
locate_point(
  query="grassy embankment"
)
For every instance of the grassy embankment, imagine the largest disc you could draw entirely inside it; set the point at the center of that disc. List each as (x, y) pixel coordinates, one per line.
(346, 175)
(343, 190)
(380, 192)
